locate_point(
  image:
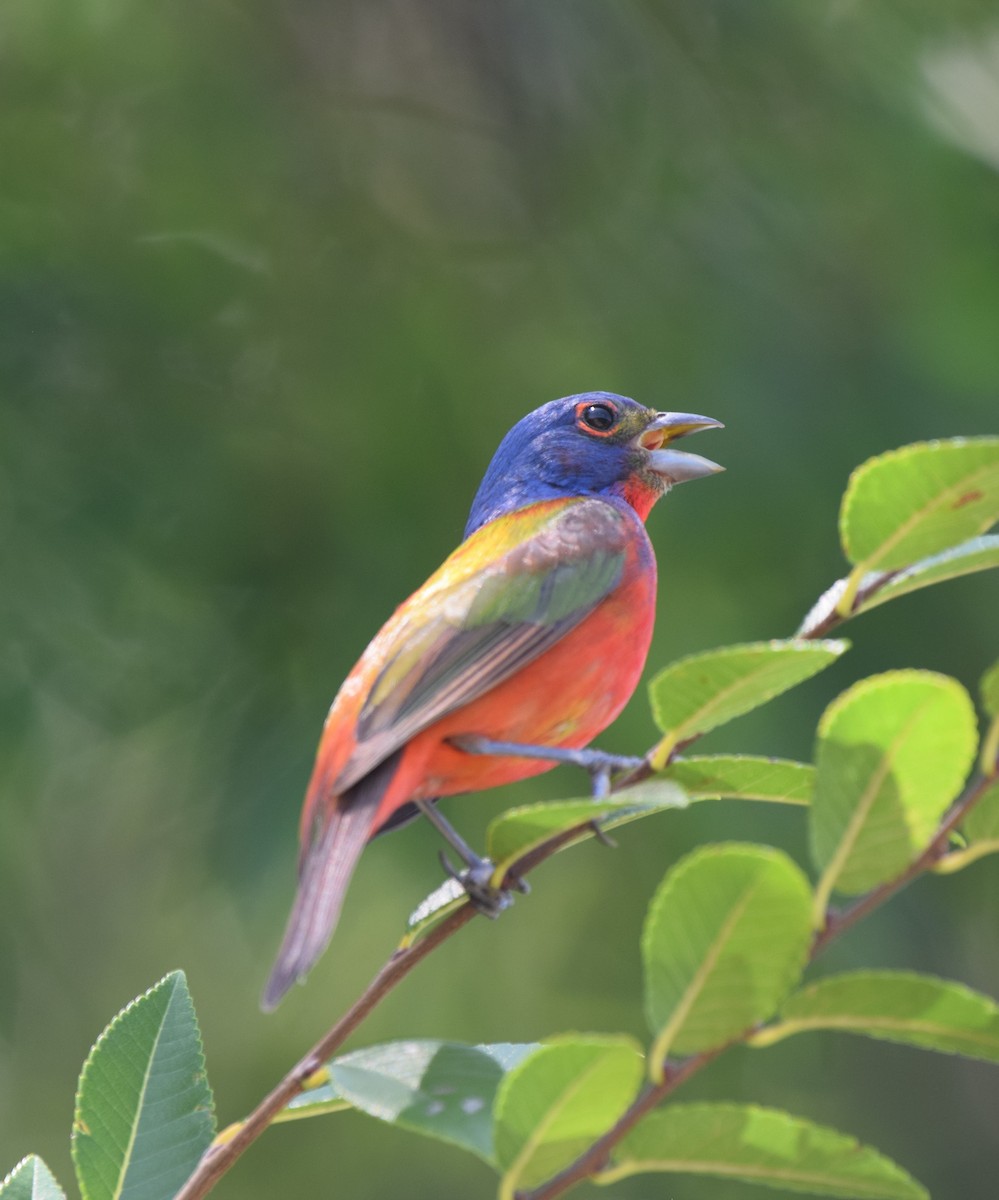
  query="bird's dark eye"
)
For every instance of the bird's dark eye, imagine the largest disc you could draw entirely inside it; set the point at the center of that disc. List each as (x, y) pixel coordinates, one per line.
(599, 417)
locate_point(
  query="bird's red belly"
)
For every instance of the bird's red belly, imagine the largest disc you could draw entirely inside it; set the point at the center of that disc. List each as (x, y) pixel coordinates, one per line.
(566, 697)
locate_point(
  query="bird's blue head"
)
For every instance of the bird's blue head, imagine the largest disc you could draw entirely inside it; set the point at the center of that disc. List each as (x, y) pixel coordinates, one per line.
(592, 444)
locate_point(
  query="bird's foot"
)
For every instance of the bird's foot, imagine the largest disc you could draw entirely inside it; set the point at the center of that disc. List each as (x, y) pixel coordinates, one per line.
(599, 765)
(477, 880)
(476, 877)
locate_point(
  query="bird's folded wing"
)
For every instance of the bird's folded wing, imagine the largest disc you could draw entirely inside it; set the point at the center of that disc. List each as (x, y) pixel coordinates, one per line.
(484, 616)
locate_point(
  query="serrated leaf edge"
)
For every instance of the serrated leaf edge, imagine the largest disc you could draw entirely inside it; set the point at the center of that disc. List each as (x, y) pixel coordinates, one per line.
(176, 978)
(19, 1166)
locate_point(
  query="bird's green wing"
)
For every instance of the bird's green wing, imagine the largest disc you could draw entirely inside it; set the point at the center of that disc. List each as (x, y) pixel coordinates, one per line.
(456, 640)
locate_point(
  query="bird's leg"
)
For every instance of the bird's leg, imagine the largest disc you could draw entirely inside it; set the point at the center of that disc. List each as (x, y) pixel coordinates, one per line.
(477, 875)
(479, 869)
(598, 764)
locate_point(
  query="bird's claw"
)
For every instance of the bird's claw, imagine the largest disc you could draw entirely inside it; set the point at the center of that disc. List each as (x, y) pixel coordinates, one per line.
(476, 879)
(602, 836)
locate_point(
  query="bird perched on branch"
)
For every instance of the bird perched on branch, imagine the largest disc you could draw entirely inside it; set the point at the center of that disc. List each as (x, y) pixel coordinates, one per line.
(523, 646)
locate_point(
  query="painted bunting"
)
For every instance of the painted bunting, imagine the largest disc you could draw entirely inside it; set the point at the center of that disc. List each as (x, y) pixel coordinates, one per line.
(522, 647)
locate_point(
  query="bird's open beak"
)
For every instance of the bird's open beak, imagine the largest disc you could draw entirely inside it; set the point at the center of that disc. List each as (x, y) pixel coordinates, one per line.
(677, 466)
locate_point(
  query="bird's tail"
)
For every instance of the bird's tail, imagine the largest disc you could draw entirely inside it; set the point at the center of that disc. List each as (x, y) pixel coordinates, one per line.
(327, 864)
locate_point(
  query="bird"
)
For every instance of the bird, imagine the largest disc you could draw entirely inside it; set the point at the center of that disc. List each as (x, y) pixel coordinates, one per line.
(514, 655)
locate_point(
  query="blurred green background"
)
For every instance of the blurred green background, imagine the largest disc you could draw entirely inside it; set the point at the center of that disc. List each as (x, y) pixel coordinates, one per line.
(275, 277)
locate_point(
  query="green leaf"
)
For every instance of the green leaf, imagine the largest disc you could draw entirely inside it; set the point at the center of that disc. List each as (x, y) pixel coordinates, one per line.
(893, 752)
(143, 1107)
(743, 777)
(698, 693)
(871, 588)
(914, 502)
(980, 554)
(521, 829)
(725, 939)
(556, 1102)
(759, 1145)
(444, 1090)
(897, 1006)
(31, 1180)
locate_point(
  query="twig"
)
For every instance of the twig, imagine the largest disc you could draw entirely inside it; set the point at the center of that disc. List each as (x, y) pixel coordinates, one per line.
(840, 922)
(596, 1157)
(834, 618)
(222, 1154)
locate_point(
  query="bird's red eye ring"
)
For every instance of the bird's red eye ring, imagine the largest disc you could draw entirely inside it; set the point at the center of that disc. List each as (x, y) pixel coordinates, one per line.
(599, 419)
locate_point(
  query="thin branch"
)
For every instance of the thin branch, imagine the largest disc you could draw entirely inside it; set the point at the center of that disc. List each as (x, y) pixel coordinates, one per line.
(596, 1157)
(839, 922)
(222, 1154)
(834, 618)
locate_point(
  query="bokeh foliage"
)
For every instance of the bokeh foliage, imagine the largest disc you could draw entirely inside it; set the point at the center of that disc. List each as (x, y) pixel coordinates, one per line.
(274, 279)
